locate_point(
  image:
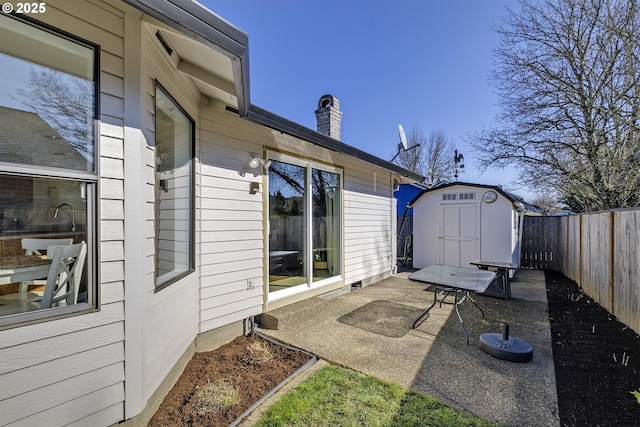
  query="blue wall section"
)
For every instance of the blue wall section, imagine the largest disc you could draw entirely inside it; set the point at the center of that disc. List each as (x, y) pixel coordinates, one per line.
(405, 194)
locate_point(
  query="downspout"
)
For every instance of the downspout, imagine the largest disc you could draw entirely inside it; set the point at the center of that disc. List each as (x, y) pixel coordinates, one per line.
(521, 210)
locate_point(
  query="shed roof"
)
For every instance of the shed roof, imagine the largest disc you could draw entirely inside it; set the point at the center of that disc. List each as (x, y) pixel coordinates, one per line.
(205, 27)
(509, 196)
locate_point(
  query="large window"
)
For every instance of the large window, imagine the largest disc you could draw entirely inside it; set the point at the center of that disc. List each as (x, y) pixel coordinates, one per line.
(48, 106)
(174, 190)
(305, 224)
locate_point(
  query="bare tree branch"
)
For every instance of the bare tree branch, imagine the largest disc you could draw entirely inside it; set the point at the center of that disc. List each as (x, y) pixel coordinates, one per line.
(568, 77)
(432, 159)
(65, 103)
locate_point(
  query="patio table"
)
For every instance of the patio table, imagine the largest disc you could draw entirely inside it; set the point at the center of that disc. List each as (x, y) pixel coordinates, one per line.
(24, 267)
(502, 290)
(15, 269)
(277, 260)
(456, 280)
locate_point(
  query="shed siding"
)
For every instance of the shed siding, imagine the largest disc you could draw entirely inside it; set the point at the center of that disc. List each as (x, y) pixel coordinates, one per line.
(498, 232)
(71, 371)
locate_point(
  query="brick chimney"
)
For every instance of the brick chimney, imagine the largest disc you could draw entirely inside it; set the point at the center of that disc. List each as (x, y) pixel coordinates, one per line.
(329, 116)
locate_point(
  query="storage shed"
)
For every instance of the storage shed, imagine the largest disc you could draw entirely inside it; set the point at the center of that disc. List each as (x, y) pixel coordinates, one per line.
(455, 223)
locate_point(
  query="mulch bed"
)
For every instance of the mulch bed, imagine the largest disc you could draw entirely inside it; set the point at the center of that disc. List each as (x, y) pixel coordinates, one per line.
(251, 376)
(596, 358)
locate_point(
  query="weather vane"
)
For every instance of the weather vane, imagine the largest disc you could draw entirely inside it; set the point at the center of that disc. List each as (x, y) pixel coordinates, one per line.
(458, 158)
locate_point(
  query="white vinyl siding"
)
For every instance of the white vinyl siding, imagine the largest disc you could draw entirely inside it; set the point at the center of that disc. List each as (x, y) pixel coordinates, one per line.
(368, 232)
(169, 319)
(367, 235)
(231, 225)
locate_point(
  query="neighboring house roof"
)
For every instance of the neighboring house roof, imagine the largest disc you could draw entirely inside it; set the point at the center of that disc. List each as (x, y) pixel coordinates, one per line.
(564, 212)
(509, 196)
(26, 138)
(232, 75)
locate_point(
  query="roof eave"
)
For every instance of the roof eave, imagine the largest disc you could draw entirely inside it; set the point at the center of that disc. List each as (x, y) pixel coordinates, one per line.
(201, 24)
(279, 123)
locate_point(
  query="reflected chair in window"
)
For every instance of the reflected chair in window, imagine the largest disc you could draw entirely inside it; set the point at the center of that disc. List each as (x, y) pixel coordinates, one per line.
(63, 282)
(33, 247)
(65, 274)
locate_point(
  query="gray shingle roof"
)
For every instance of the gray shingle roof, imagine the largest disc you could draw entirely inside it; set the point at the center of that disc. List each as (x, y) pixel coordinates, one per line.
(27, 139)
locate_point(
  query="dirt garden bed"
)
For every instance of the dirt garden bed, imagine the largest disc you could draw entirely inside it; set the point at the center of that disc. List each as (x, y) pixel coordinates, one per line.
(596, 359)
(218, 386)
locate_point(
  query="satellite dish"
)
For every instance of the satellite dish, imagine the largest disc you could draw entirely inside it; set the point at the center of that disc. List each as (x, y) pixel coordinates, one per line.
(403, 143)
(403, 137)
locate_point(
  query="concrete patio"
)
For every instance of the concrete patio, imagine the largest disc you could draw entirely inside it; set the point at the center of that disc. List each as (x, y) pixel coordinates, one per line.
(369, 330)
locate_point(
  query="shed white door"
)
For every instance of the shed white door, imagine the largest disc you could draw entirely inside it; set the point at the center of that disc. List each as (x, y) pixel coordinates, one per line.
(458, 234)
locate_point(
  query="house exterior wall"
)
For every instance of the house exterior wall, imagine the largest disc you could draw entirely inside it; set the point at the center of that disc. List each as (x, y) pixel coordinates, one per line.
(81, 369)
(369, 215)
(497, 225)
(170, 316)
(71, 370)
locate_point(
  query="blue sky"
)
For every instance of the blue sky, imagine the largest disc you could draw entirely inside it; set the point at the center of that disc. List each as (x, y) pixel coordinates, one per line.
(421, 63)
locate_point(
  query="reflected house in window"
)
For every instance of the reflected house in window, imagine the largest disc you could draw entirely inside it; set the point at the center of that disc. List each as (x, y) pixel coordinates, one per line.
(27, 139)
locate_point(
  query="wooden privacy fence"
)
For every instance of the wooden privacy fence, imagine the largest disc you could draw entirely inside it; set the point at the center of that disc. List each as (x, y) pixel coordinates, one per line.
(600, 251)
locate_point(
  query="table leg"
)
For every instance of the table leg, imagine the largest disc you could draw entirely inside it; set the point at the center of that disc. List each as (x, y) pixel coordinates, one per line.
(507, 283)
(456, 302)
(475, 303)
(464, 329)
(424, 314)
(467, 295)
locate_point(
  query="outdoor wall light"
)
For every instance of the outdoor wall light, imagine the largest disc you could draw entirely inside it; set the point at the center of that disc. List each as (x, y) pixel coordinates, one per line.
(256, 161)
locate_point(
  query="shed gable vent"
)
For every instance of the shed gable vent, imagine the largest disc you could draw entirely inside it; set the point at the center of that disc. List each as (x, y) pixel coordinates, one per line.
(459, 196)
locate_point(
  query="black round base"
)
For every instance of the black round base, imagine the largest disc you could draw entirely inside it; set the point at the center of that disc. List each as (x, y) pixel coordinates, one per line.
(512, 349)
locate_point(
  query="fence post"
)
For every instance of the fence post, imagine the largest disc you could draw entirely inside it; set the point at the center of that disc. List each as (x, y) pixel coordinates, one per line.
(567, 257)
(611, 261)
(580, 251)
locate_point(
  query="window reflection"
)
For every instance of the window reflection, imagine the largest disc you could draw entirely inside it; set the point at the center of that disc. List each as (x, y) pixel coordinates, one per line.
(305, 225)
(48, 99)
(326, 224)
(173, 190)
(28, 208)
(286, 226)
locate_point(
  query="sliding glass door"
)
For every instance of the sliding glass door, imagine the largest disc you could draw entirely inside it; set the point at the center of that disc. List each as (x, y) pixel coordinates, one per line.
(287, 202)
(305, 224)
(325, 192)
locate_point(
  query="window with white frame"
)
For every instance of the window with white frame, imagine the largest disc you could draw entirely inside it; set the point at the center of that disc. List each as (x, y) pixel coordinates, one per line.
(48, 177)
(305, 223)
(174, 190)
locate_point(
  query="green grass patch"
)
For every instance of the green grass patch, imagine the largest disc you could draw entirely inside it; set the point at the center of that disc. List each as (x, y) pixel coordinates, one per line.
(337, 396)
